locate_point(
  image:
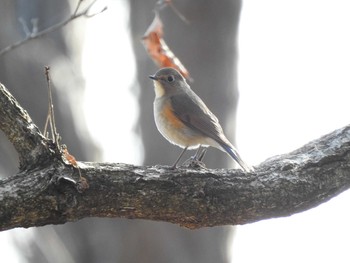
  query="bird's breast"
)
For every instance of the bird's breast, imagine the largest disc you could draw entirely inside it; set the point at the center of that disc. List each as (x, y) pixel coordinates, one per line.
(172, 128)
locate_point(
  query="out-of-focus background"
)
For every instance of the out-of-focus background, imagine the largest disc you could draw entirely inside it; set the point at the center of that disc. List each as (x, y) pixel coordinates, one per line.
(289, 60)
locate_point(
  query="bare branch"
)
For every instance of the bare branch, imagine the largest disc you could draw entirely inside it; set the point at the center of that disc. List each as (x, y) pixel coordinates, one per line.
(50, 120)
(32, 147)
(48, 193)
(35, 35)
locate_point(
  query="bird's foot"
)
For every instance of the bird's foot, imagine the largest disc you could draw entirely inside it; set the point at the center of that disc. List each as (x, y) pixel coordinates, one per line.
(194, 163)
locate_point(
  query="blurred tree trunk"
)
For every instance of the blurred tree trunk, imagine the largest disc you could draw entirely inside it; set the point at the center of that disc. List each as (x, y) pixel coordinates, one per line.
(22, 71)
(207, 47)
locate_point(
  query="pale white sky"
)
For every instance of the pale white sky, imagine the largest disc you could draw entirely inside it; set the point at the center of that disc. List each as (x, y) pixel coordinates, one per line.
(294, 64)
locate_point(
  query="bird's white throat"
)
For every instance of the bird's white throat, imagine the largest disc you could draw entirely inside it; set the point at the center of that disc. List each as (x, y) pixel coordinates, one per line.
(158, 89)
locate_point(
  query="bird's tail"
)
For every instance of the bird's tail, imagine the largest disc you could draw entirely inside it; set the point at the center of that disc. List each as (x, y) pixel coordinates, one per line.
(235, 156)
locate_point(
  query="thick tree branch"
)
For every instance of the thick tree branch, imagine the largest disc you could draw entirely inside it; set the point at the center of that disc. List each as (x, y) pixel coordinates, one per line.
(280, 186)
(31, 146)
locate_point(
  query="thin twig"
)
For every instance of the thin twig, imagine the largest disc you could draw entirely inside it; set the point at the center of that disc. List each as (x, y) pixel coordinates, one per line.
(163, 3)
(178, 13)
(97, 13)
(50, 120)
(24, 27)
(55, 27)
(78, 6)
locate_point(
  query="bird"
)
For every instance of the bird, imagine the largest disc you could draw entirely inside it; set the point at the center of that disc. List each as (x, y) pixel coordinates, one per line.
(183, 119)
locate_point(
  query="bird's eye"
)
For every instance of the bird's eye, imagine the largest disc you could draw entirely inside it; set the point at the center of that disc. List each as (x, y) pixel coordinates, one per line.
(171, 78)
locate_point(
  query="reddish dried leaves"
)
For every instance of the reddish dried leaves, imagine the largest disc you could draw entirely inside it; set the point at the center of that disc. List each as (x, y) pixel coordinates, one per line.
(159, 50)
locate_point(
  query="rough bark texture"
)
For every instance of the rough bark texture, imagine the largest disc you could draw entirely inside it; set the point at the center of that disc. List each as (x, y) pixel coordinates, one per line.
(26, 138)
(280, 186)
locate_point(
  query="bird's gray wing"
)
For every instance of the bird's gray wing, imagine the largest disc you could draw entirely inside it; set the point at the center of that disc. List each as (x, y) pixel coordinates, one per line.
(192, 111)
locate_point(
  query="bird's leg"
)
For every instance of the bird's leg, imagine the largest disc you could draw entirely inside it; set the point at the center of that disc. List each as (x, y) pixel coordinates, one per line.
(197, 154)
(196, 160)
(201, 156)
(178, 159)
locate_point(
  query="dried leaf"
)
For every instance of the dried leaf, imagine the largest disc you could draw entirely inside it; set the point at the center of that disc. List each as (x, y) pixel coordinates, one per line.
(69, 158)
(159, 50)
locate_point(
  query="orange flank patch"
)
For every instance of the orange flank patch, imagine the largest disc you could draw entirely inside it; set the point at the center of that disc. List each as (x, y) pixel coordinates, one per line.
(170, 116)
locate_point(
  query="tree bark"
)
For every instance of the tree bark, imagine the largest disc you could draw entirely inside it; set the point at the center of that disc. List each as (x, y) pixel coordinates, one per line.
(47, 192)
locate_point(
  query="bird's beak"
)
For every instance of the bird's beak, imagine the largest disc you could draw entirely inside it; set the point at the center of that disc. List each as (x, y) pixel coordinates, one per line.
(153, 77)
